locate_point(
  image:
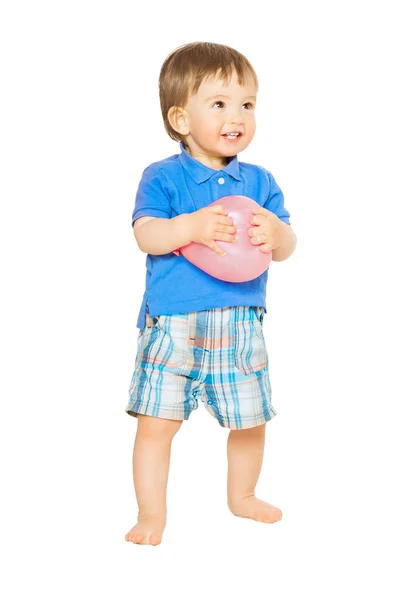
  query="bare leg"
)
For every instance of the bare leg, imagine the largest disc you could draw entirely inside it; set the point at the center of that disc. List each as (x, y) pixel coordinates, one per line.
(151, 457)
(245, 456)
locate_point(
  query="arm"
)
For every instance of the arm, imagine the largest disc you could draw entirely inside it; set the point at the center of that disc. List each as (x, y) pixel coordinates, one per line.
(206, 226)
(160, 236)
(287, 243)
(273, 232)
(157, 232)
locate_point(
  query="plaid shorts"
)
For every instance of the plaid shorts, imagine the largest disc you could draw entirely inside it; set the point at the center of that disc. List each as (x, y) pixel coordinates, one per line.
(216, 355)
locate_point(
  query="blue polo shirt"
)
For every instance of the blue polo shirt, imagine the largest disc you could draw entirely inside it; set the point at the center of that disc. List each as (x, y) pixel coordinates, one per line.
(181, 184)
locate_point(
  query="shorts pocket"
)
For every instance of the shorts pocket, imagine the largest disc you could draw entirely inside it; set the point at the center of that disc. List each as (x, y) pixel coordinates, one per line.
(250, 351)
(164, 343)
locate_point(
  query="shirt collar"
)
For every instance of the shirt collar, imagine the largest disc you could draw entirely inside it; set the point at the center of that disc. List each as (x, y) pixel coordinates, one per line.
(200, 173)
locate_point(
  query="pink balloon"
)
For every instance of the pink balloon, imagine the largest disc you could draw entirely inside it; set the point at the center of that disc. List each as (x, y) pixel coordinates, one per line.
(243, 261)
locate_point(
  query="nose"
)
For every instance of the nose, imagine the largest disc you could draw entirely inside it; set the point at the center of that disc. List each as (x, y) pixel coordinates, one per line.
(236, 117)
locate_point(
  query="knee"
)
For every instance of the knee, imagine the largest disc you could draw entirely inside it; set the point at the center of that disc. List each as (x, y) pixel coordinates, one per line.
(157, 428)
(257, 431)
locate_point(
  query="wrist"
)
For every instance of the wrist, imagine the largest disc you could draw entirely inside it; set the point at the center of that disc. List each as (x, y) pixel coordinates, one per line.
(282, 233)
(183, 229)
(287, 243)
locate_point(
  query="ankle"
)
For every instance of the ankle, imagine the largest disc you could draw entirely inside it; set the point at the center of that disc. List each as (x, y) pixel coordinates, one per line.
(160, 515)
(236, 500)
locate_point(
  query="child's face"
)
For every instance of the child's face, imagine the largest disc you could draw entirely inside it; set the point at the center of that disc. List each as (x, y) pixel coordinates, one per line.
(217, 110)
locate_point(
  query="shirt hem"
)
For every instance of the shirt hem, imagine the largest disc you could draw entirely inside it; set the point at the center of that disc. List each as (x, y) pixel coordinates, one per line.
(198, 304)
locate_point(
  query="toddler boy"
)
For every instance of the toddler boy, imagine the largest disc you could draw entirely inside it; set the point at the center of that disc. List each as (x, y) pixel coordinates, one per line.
(200, 337)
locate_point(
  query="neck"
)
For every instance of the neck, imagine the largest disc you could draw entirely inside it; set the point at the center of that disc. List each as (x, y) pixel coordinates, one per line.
(213, 162)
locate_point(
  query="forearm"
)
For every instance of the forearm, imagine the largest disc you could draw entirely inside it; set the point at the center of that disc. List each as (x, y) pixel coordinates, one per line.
(287, 244)
(161, 236)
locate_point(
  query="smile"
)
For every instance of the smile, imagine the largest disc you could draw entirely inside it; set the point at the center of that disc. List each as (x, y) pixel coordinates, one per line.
(232, 136)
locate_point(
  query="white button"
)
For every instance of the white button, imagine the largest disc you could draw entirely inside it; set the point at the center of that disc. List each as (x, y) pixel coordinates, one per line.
(221, 180)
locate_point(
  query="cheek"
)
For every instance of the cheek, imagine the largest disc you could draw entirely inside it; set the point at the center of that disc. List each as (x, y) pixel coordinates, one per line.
(208, 127)
(251, 126)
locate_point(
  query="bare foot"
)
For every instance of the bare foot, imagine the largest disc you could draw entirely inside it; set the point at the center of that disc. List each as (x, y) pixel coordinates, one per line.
(148, 530)
(258, 510)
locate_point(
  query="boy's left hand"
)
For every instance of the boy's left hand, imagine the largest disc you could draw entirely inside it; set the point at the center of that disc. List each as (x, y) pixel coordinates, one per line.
(268, 231)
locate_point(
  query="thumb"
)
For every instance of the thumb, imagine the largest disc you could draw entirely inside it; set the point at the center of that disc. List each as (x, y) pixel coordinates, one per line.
(218, 209)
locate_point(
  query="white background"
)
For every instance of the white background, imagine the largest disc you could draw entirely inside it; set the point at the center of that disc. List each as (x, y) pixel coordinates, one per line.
(80, 120)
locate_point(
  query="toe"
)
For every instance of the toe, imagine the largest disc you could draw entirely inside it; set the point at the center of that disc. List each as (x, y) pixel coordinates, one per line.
(275, 516)
(140, 538)
(155, 539)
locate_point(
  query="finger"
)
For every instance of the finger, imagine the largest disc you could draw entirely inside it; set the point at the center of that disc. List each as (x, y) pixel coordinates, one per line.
(218, 209)
(225, 221)
(259, 239)
(225, 229)
(224, 237)
(260, 210)
(259, 230)
(265, 248)
(258, 219)
(216, 248)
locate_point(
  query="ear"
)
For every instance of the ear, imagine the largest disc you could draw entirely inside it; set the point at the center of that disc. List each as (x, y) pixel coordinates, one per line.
(179, 120)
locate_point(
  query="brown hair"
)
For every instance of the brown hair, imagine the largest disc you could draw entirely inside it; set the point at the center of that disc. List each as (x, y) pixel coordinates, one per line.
(186, 67)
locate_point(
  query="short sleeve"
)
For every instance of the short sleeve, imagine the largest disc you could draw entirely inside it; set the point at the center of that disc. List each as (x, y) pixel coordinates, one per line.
(275, 200)
(152, 199)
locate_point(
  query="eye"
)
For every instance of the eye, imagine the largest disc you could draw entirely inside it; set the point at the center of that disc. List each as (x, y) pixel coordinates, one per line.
(220, 103)
(248, 105)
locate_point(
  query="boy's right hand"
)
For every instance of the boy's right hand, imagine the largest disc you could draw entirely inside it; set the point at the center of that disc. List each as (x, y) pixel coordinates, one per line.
(209, 224)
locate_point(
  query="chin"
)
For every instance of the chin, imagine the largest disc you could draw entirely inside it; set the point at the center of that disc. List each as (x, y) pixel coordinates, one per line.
(235, 148)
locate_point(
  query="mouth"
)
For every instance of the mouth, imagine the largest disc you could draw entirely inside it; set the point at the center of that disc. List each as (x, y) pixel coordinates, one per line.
(233, 135)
